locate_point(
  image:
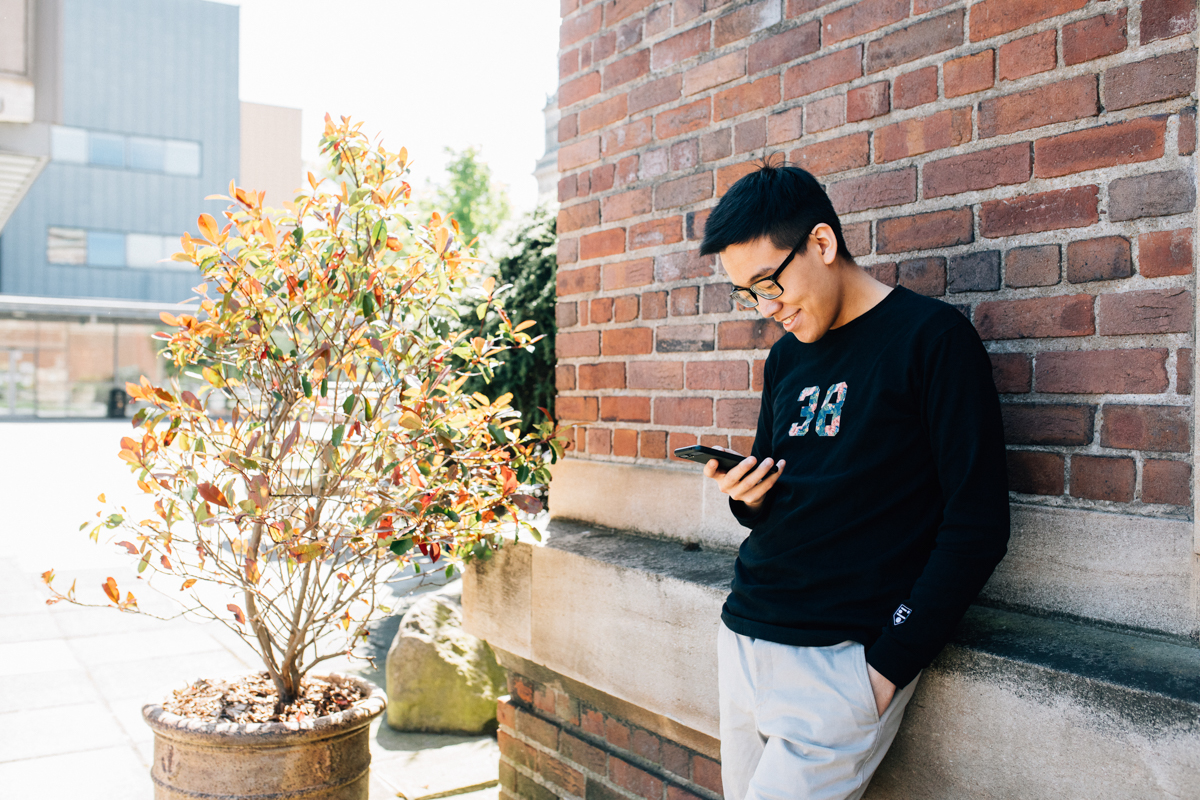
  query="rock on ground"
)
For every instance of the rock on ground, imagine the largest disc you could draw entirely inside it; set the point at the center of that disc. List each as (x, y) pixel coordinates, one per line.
(440, 678)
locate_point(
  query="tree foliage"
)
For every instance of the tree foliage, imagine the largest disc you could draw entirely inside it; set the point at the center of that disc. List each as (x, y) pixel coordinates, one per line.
(470, 195)
(354, 442)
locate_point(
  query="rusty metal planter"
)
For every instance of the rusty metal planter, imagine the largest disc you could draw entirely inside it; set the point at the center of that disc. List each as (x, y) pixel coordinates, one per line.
(327, 758)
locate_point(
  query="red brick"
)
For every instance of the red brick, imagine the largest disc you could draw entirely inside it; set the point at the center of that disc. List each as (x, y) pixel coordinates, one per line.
(912, 137)
(506, 714)
(1098, 478)
(969, 74)
(516, 751)
(591, 721)
(685, 154)
(978, 271)
(685, 338)
(1036, 317)
(691, 412)
(858, 238)
(568, 127)
(738, 413)
(624, 274)
(916, 41)
(1094, 38)
(685, 301)
(566, 315)
(1067, 100)
(577, 409)
(583, 311)
(786, 126)
(609, 375)
(874, 190)
(821, 73)
(1141, 371)
(581, 215)
(1048, 423)
(995, 17)
(707, 773)
(567, 6)
(1162, 78)
(654, 305)
(598, 116)
(614, 12)
(629, 35)
(578, 89)
(646, 745)
(742, 22)
(564, 377)
(1183, 371)
(602, 243)
(1034, 472)
(694, 224)
(748, 334)
(1162, 429)
(603, 177)
(655, 232)
(568, 188)
(867, 102)
(716, 145)
(683, 120)
(1102, 259)
(655, 93)
(794, 43)
(624, 70)
(625, 308)
(622, 408)
(575, 155)
(729, 175)
(1167, 482)
(1155, 194)
(627, 137)
(746, 97)
(1187, 132)
(632, 779)
(983, 169)
(599, 441)
(600, 310)
(797, 7)
(715, 72)
(1105, 146)
(826, 113)
(1151, 311)
(653, 444)
(626, 204)
(1012, 372)
(683, 191)
(925, 231)
(580, 26)
(627, 341)
(833, 155)
(925, 276)
(862, 17)
(718, 375)
(578, 344)
(654, 163)
(559, 774)
(658, 20)
(915, 88)
(924, 6)
(604, 46)
(537, 729)
(1032, 266)
(578, 281)
(741, 444)
(1163, 253)
(1029, 55)
(1165, 19)
(681, 47)
(583, 753)
(885, 273)
(655, 374)
(1076, 207)
(715, 299)
(750, 135)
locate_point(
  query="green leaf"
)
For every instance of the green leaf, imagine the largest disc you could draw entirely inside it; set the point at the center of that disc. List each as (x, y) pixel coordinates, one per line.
(324, 387)
(145, 562)
(306, 385)
(498, 433)
(401, 546)
(368, 305)
(338, 432)
(298, 235)
(348, 405)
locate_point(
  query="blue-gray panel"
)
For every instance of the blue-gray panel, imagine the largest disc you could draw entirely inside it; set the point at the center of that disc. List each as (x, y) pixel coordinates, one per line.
(164, 68)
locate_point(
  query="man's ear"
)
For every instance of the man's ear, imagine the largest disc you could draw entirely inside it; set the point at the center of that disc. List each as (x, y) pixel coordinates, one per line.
(826, 242)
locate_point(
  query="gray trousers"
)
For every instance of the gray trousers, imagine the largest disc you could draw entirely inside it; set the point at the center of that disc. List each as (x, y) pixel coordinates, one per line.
(800, 723)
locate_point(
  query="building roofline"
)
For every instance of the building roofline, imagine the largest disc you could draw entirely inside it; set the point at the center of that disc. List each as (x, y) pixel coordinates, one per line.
(82, 309)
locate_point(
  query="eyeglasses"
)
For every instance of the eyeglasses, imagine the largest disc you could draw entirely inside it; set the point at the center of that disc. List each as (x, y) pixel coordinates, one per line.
(767, 288)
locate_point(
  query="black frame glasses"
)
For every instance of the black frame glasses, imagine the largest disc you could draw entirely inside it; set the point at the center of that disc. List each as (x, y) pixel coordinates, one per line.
(766, 288)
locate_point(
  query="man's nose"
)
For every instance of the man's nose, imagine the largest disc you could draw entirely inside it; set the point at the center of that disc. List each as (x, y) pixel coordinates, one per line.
(768, 307)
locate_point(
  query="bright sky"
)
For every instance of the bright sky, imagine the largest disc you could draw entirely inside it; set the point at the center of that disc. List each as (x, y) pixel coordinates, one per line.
(427, 73)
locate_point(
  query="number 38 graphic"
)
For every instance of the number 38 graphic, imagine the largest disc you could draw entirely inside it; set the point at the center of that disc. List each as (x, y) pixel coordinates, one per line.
(828, 417)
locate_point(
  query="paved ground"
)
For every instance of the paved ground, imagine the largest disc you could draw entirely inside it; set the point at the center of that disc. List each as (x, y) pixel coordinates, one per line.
(73, 680)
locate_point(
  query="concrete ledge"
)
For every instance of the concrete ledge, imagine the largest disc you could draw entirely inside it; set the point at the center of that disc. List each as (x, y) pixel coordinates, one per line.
(1016, 707)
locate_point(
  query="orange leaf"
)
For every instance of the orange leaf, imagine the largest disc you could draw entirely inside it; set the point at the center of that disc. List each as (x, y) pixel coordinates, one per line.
(208, 227)
(166, 562)
(237, 613)
(110, 589)
(511, 484)
(168, 318)
(212, 494)
(189, 583)
(133, 551)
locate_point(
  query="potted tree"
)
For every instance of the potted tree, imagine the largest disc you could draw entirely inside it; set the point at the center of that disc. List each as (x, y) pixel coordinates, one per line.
(328, 443)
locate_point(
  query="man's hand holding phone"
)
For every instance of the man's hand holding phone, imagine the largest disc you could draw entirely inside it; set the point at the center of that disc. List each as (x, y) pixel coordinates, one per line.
(743, 481)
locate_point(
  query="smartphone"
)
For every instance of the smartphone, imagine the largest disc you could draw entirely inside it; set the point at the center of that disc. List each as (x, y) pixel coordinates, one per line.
(725, 461)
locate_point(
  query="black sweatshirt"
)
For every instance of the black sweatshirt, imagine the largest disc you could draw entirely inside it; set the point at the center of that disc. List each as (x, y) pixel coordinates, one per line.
(892, 509)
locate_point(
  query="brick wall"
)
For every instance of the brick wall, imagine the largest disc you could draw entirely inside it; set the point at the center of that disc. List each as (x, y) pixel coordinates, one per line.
(1029, 161)
(554, 745)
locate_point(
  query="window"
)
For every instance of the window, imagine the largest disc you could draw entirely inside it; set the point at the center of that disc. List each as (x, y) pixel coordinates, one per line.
(146, 250)
(106, 149)
(69, 144)
(105, 249)
(66, 246)
(145, 153)
(182, 158)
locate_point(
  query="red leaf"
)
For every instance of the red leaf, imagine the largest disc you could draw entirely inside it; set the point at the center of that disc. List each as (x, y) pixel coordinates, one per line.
(110, 589)
(237, 613)
(527, 503)
(212, 494)
(133, 551)
(511, 484)
(289, 440)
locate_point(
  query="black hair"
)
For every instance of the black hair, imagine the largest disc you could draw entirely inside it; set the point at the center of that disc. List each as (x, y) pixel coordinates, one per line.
(781, 202)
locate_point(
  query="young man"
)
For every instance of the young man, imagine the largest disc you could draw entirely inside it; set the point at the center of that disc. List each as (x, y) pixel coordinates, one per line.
(886, 516)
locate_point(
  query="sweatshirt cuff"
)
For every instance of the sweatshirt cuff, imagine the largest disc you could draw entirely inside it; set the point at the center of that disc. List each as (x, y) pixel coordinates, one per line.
(745, 516)
(894, 661)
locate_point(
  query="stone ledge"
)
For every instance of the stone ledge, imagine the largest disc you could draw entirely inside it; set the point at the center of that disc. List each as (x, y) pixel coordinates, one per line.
(1015, 704)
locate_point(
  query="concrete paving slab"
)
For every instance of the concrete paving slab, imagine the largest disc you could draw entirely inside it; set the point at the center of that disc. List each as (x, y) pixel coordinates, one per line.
(37, 626)
(112, 773)
(151, 678)
(69, 729)
(424, 764)
(36, 656)
(38, 690)
(134, 646)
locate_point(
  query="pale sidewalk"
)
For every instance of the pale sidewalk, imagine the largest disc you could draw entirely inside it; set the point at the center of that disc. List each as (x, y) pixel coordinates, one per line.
(73, 680)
